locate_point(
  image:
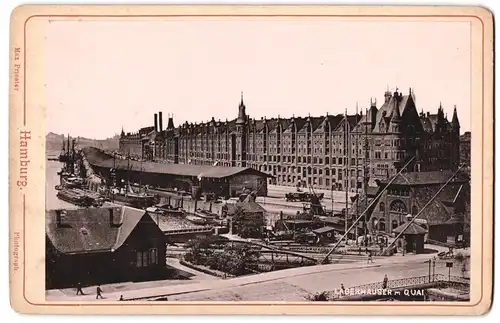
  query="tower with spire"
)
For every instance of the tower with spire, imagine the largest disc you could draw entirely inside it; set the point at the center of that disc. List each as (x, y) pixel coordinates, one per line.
(455, 129)
(241, 135)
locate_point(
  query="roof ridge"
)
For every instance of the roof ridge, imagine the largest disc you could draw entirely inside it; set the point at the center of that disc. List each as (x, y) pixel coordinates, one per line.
(458, 193)
(115, 245)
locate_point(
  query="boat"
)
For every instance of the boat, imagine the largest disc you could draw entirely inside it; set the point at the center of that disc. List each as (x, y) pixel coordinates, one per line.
(134, 200)
(196, 220)
(204, 214)
(169, 210)
(130, 198)
(78, 197)
(72, 182)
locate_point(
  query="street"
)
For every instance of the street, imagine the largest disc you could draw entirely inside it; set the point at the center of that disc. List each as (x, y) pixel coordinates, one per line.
(290, 284)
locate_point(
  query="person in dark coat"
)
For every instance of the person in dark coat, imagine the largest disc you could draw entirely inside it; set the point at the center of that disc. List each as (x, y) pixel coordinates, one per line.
(99, 293)
(79, 290)
(385, 282)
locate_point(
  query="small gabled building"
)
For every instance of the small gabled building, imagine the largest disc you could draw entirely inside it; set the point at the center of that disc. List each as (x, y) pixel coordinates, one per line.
(102, 245)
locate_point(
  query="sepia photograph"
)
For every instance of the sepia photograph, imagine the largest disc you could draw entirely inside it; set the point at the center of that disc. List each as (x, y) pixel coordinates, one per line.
(257, 158)
(316, 181)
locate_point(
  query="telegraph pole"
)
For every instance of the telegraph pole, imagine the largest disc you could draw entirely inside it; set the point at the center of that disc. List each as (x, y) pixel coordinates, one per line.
(375, 200)
(357, 178)
(422, 209)
(366, 170)
(346, 174)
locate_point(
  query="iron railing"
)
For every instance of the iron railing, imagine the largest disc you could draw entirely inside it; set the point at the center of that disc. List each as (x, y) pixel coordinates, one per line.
(438, 280)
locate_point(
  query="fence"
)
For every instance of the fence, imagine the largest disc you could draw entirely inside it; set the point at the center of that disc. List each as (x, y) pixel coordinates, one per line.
(189, 230)
(437, 280)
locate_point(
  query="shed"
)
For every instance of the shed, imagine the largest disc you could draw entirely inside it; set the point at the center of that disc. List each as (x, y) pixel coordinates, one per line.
(325, 233)
(413, 234)
(223, 181)
(102, 245)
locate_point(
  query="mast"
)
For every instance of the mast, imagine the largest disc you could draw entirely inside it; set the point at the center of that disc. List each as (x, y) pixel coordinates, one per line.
(114, 178)
(332, 249)
(357, 192)
(128, 175)
(366, 170)
(422, 209)
(68, 162)
(346, 164)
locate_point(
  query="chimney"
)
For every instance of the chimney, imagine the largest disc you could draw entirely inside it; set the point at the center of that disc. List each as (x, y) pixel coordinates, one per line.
(170, 124)
(156, 122)
(160, 116)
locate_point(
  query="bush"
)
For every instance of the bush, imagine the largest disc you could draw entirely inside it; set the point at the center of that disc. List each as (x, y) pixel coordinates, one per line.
(318, 297)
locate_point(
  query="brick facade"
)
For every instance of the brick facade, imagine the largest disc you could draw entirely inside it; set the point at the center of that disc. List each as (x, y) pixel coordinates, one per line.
(328, 152)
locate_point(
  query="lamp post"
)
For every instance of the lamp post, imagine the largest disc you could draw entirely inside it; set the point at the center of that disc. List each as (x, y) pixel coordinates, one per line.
(433, 268)
(429, 261)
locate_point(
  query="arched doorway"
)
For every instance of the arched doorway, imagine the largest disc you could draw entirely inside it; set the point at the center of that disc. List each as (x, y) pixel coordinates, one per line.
(381, 225)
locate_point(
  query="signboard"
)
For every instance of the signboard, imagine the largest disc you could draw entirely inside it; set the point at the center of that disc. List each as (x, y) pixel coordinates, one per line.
(449, 264)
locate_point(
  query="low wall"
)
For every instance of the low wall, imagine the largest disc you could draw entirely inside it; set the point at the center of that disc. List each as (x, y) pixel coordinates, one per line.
(184, 236)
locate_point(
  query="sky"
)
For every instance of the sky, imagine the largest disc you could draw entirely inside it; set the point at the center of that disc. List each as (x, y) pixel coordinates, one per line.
(105, 75)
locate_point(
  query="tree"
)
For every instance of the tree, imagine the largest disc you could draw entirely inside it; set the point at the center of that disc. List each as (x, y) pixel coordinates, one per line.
(248, 224)
(318, 297)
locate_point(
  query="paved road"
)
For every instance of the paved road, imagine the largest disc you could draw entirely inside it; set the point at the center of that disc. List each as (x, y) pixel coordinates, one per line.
(286, 285)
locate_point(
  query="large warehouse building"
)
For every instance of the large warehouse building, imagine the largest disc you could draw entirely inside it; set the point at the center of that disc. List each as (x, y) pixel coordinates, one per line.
(223, 181)
(335, 152)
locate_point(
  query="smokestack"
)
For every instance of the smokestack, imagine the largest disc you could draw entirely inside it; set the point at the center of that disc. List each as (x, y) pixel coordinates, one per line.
(156, 122)
(160, 116)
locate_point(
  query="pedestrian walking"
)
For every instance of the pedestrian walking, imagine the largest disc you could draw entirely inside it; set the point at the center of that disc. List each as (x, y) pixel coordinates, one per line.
(121, 297)
(99, 293)
(370, 259)
(342, 289)
(79, 290)
(385, 282)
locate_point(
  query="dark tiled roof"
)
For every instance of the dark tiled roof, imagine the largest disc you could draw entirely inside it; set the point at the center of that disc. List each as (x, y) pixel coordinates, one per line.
(97, 157)
(89, 230)
(427, 124)
(146, 130)
(411, 229)
(426, 178)
(386, 110)
(247, 206)
(439, 210)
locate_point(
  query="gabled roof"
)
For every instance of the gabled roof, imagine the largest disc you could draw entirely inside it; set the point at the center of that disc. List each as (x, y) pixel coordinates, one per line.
(386, 110)
(246, 206)
(426, 178)
(299, 123)
(90, 230)
(413, 229)
(97, 157)
(440, 210)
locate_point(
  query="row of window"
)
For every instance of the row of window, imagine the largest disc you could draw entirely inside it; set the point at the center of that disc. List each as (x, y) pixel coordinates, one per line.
(319, 181)
(147, 258)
